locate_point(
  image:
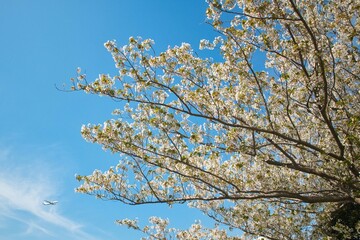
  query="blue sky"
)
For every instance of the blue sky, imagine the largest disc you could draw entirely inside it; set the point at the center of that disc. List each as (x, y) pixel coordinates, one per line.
(42, 43)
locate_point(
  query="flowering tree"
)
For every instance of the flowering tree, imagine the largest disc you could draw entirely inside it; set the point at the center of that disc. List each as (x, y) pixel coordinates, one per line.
(272, 150)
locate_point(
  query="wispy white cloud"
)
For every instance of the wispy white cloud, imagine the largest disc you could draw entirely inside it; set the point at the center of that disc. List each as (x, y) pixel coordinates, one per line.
(24, 184)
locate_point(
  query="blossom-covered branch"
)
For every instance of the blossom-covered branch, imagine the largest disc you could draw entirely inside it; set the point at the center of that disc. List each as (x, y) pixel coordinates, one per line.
(270, 150)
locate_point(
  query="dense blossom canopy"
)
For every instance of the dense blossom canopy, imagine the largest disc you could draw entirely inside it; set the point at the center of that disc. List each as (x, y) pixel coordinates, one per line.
(265, 140)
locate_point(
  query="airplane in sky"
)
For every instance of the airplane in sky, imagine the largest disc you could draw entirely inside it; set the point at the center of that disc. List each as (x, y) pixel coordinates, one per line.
(47, 202)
